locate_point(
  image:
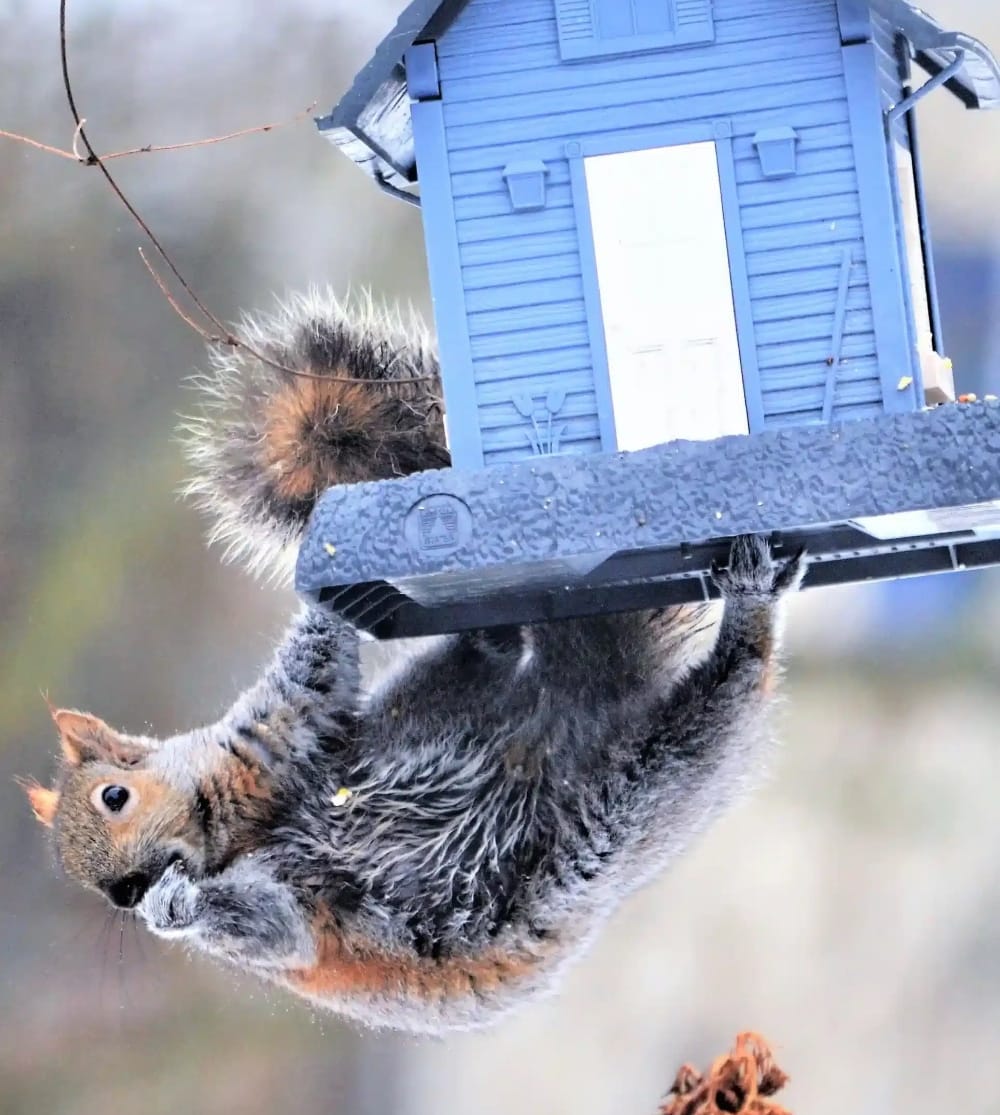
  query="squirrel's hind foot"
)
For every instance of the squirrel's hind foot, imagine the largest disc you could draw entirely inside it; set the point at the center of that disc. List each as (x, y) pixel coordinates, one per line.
(753, 569)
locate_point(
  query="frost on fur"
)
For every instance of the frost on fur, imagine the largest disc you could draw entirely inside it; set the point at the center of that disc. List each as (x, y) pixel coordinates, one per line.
(265, 443)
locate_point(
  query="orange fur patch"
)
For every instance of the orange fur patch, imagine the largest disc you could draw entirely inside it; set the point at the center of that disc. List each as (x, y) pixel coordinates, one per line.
(44, 802)
(348, 970)
(290, 415)
(158, 804)
(234, 782)
(251, 789)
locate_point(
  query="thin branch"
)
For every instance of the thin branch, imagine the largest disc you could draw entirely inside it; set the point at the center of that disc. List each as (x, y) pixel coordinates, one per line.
(223, 336)
(150, 148)
(210, 338)
(40, 146)
(96, 159)
(231, 341)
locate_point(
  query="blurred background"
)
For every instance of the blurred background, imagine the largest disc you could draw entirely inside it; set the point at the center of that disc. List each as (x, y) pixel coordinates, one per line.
(851, 911)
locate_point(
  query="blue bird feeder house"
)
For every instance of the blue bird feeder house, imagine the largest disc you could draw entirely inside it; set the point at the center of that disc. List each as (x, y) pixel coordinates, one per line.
(683, 286)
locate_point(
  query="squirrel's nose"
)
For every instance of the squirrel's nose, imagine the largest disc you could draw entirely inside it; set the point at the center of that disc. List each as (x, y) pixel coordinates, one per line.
(128, 891)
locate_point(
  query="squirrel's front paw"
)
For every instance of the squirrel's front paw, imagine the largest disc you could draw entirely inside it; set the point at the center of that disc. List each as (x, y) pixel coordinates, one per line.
(170, 906)
(753, 570)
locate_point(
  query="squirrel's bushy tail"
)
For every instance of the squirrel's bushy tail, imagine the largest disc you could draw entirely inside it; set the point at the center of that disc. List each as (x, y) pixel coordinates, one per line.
(265, 443)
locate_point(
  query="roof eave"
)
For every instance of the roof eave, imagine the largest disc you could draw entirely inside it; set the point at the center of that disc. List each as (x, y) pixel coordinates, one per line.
(977, 83)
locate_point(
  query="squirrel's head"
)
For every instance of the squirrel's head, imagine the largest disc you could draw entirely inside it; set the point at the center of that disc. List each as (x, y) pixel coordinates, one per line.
(118, 821)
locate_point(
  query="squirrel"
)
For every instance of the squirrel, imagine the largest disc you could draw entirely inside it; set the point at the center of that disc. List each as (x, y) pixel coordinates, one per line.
(431, 854)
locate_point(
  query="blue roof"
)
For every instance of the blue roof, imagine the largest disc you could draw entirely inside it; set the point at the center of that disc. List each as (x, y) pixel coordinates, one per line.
(419, 19)
(371, 122)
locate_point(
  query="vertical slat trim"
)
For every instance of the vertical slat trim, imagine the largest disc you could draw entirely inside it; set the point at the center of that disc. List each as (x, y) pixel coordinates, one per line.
(592, 299)
(445, 267)
(740, 280)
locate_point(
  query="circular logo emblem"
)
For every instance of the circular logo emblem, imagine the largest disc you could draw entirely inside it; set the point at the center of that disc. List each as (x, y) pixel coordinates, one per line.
(438, 525)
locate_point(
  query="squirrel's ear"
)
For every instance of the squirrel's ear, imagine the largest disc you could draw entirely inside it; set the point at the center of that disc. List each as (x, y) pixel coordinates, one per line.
(85, 738)
(44, 803)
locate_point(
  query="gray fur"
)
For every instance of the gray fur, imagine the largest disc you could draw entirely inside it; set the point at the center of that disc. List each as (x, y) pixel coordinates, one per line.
(241, 915)
(452, 838)
(491, 806)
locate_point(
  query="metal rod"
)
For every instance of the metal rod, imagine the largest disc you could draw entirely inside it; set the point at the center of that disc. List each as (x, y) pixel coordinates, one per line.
(929, 86)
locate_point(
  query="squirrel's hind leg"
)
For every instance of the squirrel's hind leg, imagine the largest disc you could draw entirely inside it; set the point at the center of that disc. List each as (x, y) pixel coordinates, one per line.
(705, 742)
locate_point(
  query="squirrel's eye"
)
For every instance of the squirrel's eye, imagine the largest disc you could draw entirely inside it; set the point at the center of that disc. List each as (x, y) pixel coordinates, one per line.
(114, 797)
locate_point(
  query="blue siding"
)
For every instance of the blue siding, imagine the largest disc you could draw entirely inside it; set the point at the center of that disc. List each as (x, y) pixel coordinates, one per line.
(507, 95)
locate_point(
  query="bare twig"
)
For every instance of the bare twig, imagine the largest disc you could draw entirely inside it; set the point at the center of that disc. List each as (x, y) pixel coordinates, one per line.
(150, 148)
(222, 336)
(40, 146)
(92, 155)
(231, 341)
(175, 306)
